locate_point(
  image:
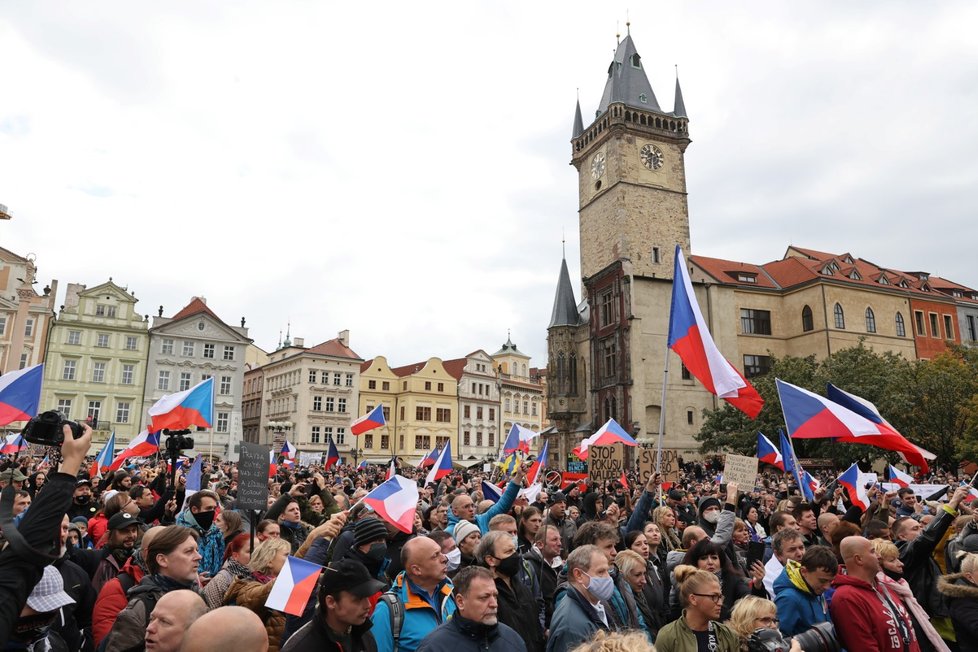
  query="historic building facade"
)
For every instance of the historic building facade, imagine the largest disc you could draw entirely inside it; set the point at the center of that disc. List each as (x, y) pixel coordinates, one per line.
(426, 409)
(25, 315)
(520, 395)
(478, 406)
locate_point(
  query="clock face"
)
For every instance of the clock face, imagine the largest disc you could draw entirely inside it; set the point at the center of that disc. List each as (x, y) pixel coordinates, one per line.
(651, 157)
(597, 166)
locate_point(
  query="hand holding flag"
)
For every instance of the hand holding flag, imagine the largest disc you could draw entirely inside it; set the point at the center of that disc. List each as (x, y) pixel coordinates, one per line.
(395, 501)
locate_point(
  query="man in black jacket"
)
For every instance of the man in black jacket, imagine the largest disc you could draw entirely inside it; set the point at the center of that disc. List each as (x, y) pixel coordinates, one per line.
(497, 550)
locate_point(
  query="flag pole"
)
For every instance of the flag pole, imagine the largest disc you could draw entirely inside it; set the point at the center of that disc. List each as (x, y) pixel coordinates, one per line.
(791, 444)
(662, 416)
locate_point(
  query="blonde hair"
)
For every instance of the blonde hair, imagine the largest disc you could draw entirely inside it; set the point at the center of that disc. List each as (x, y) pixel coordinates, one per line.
(746, 611)
(660, 513)
(739, 524)
(627, 560)
(885, 549)
(605, 642)
(691, 580)
(264, 553)
(969, 564)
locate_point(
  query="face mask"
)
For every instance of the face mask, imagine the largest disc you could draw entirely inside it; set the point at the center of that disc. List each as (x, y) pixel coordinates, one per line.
(601, 587)
(454, 559)
(377, 552)
(509, 566)
(516, 542)
(711, 516)
(204, 519)
(82, 500)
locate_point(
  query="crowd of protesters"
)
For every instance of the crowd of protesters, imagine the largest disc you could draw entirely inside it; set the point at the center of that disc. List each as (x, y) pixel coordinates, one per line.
(129, 562)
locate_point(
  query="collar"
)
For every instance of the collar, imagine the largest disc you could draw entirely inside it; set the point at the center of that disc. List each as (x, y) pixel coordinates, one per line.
(793, 571)
(474, 630)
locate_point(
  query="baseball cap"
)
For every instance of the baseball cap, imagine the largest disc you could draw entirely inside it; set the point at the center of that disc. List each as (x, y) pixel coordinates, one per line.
(13, 475)
(351, 576)
(49, 594)
(82, 481)
(123, 519)
(676, 494)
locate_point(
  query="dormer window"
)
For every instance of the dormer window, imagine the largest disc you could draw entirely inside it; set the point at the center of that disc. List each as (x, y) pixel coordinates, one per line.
(854, 275)
(636, 61)
(847, 260)
(957, 294)
(643, 98)
(883, 281)
(827, 270)
(904, 284)
(745, 277)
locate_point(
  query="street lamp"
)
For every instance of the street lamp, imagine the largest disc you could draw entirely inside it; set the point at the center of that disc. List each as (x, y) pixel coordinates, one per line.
(357, 452)
(279, 427)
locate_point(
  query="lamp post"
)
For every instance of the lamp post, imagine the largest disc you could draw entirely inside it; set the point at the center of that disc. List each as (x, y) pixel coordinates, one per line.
(357, 452)
(279, 427)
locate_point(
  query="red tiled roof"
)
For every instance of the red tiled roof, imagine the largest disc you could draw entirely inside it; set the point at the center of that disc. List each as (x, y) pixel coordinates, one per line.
(334, 348)
(811, 253)
(726, 271)
(455, 367)
(409, 369)
(196, 306)
(366, 365)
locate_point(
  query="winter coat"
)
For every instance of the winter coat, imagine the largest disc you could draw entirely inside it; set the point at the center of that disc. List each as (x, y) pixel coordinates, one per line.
(252, 594)
(798, 608)
(575, 621)
(678, 637)
(962, 603)
(547, 576)
(111, 600)
(210, 546)
(420, 617)
(216, 589)
(919, 568)
(568, 530)
(514, 610)
(863, 621)
(129, 629)
(314, 637)
(463, 635)
(77, 627)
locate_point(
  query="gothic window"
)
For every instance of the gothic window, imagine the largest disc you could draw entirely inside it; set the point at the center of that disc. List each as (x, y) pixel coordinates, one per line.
(840, 317)
(572, 370)
(870, 321)
(807, 323)
(561, 372)
(901, 328)
(610, 358)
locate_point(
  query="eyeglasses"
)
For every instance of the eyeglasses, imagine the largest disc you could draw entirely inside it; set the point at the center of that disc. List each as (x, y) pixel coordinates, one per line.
(716, 597)
(768, 621)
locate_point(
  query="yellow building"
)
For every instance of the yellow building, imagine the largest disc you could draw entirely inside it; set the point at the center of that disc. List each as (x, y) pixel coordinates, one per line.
(25, 315)
(378, 386)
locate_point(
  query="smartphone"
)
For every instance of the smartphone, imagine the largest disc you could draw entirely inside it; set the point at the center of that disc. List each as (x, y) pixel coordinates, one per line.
(755, 552)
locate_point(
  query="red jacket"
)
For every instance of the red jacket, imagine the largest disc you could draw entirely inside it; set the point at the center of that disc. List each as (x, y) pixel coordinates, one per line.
(862, 620)
(111, 600)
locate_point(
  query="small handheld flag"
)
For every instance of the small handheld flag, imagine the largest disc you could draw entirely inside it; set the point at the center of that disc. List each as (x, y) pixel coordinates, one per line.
(899, 477)
(395, 501)
(518, 439)
(333, 456)
(539, 464)
(768, 453)
(104, 458)
(855, 482)
(294, 586)
(369, 421)
(442, 467)
(288, 450)
(491, 492)
(392, 471)
(429, 459)
(20, 394)
(12, 444)
(608, 434)
(142, 445)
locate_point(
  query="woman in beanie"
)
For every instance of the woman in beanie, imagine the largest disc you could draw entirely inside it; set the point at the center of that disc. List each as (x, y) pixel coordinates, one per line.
(467, 538)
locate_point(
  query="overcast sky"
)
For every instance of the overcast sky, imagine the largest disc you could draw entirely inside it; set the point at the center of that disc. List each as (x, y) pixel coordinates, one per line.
(401, 169)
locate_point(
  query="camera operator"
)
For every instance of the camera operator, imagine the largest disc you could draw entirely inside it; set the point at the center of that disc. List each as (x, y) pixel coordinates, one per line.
(40, 529)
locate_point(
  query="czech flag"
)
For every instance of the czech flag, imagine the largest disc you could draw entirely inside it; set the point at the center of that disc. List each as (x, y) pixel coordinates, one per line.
(144, 444)
(899, 477)
(104, 457)
(193, 479)
(623, 480)
(192, 407)
(395, 501)
(768, 453)
(294, 586)
(855, 482)
(392, 471)
(272, 466)
(20, 394)
(442, 467)
(12, 444)
(332, 456)
(518, 439)
(288, 450)
(363, 465)
(369, 421)
(809, 485)
(429, 459)
(691, 340)
(539, 464)
(491, 492)
(608, 434)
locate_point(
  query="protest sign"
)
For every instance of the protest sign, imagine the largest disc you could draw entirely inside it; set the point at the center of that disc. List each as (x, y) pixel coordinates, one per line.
(606, 462)
(647, 464)
(253, 477)
(309, 459)
(740, 469)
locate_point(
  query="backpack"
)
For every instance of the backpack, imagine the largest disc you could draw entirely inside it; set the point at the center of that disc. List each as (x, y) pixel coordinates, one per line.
(396, 610)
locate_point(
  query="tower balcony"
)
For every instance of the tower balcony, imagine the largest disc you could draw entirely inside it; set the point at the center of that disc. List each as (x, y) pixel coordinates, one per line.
(619, 115)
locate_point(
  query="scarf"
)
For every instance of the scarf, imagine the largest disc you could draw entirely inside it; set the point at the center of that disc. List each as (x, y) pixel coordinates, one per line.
(237, 569)
(169, 584)
(671, 539)
(902, 590)
(262, 578)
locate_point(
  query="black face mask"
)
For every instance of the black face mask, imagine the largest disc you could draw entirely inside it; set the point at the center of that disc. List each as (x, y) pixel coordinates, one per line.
(509, 566)
(83, 499)
(31, 628)
(204, 519)
(377, 552)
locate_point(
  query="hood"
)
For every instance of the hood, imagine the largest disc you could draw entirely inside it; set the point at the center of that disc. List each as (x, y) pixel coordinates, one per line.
(793, 572)
(956, 586)
(849, 580)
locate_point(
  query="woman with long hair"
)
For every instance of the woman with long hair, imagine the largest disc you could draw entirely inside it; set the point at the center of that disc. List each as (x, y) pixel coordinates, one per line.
(229, 522)
(665, 518)
(750, 614)
(699, 626)
(709, 556)
(236, 558)
(267, 561)
(655, 593)
(529, 524)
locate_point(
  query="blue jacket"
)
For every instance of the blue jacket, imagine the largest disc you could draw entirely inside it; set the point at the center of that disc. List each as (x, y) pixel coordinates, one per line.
(210, 546)
(420, 616)
(502, 506)
(798, 608)
(574, 622)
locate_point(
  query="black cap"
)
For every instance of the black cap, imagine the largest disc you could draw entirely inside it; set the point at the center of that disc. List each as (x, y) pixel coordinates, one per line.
(351, 576)
(82, 481)
(676, 494)
(122, 520)
(558, 497)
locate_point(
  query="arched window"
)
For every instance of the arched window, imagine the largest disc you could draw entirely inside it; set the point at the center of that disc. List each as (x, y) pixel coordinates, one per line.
(840, 317)
(572, 371)
(807, 323)
(901, 328)
(870, 321)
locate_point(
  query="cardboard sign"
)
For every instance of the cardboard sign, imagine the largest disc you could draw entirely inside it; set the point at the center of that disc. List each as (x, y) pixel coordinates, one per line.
(606, 462)
(740, 469)
(253, 477)
(309, 459)
(647, 463)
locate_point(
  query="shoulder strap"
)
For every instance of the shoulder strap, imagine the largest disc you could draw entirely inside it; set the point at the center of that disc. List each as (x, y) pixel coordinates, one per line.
(396, 610)
(126, 581)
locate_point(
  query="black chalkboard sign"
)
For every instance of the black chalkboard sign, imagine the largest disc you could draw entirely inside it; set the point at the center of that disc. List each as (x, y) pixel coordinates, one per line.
(253, 477)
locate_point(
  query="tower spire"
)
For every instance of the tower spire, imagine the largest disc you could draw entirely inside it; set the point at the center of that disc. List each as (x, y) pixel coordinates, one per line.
(627, 82)
(678, 106)
(578, 120)
(565, 306)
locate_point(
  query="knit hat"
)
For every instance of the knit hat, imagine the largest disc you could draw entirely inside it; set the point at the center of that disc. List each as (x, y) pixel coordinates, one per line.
(708, 501)
(367, 530)
(464, 529)
(80, 519)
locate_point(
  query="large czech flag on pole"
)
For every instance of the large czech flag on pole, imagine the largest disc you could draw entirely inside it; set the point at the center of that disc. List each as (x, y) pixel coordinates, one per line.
(12, 444)
(395, 501)
(768, 452)
(369, 421)
(192, 407)
(20, 394)
(142, 445)
(608, 434)
(533, 474)
(518, 439)
(429, 459)
(104, 457)
(442, 467)
(691, 340)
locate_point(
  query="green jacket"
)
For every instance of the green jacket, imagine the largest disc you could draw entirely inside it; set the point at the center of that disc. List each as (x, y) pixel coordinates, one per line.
(678, 637)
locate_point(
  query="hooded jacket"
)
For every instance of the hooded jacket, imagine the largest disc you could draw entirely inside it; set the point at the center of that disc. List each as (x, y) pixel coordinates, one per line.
(420, 614)
(210, 546)
(863, 620)
(962, 603)
(919, 568)
(799, 609)
(112, 600)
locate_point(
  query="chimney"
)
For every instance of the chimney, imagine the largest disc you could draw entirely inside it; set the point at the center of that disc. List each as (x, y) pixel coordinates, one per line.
(299, 342)
(344, 337)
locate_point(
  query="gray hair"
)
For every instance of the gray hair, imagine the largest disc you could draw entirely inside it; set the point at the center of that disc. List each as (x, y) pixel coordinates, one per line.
(488, 544)
(581, 558)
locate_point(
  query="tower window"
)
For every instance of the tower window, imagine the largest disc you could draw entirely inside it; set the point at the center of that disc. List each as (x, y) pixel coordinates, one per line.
(901, 328)
(643, 98)
(840, 317)
(655, 254)
(689, 417)
(636, 62)
(807, 323)
(870, 321)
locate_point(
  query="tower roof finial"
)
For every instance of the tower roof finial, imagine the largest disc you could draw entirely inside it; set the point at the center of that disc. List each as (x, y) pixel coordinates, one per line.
(617, 33)
(628, 23)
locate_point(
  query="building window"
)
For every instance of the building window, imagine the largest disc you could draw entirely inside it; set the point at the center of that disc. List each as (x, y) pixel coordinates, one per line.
(422, 413)
(506, 405)
(807, 323)
(317, 403)
(918, 317)
(3, 325)
(684, 372)
(466, 438)
(492, 439)
(368, 440)
(166, 347)
(341, 436)
(225, 385)
(312, 375)
(349, 380)
(443, 415)
(387, 414)
(68, 371)
(492, 414)
(526, 407)
(478, 412)
(327, 433)
(466, 412)
(341, 405)
(371, 384)
(427, 385)
(386, 386)
(122, 411)
(204, 377)
(934, 331)
(94, 409)
(972, 334)
(64, 407)
(337, 379)
(29, 328)
(870, 321)
(901, 328)
(441, 387)
(314, 437)
(478, 438)
(209, 351)
(948, 327)
(607, 302)
(755, 322)
(330, 404)
(610, 360)
(163, 382)
(132, 343)
(689, 417)
(840, 317)
(228, 352)
(98, 372)
(402, 413)
(533, 409)
(222, 422)
(184, 383)
(188, 349)
(74, 337)
(385, 442)
(756, 365)
(102, 310)
(128, 371)
(102, 340)
(655, 254)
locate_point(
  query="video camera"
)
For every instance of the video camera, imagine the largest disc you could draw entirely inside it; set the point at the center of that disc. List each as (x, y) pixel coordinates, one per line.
(178, 440)
(820, 638)
(47, 429)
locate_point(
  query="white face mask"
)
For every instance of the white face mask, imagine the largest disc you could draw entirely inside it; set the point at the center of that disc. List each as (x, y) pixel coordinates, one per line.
(711, 516)
(454, 559)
